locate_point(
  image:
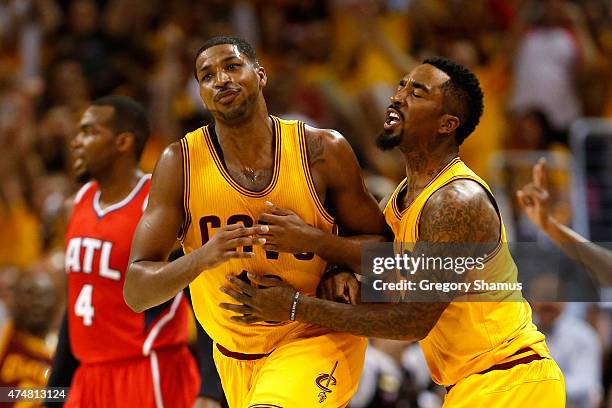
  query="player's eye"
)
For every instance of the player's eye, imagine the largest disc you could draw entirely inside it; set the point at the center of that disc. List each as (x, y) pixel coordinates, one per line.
(414, 93)
(232, 66)
(207, 77)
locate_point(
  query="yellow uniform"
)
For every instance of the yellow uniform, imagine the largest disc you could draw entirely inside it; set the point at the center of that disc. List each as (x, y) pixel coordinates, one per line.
(286, 364)
(496, 328)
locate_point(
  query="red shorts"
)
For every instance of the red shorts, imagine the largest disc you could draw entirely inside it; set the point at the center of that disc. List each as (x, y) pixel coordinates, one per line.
(167, 378)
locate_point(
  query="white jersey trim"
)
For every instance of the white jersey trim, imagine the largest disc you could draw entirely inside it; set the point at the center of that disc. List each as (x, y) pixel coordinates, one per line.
(148, 343)
(145, 203)
(102, 212)
(159, 401)
(79, 195)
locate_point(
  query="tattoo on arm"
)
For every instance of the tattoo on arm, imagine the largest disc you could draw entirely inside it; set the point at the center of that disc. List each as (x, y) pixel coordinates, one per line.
(397, 321)
(315, 149)
(458, 220)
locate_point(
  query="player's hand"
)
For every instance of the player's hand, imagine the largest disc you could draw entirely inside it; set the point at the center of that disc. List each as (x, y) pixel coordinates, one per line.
(288, 232)
(223, 244)
(339, 286)
(534, 198)
(202, 402)
(270, 303)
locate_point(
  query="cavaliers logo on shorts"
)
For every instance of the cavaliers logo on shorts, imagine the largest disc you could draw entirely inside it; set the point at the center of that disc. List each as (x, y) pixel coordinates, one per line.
(324, 381)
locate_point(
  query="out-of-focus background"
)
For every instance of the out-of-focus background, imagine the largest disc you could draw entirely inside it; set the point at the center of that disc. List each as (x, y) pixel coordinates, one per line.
(544, 66)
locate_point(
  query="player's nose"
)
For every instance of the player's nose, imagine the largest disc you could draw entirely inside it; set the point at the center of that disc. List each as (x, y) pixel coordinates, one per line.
(222, 78)
(76, 141)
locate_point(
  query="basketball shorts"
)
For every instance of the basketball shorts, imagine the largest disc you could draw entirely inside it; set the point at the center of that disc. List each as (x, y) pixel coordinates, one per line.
(538, 384)
(166, 378)
(321, 371)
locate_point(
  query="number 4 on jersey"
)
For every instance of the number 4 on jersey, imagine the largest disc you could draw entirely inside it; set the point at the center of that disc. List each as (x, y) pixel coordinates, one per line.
(83, 306)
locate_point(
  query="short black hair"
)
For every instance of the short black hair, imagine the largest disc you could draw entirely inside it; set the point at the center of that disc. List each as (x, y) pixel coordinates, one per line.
(462, 95)
(243, 46)
(128, 116)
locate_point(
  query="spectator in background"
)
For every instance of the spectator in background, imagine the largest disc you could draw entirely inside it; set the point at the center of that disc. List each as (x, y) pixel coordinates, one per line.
(551, 53)
(572, 342)
(83, 40)
(25, 358)
(23, 24)
(531, 130)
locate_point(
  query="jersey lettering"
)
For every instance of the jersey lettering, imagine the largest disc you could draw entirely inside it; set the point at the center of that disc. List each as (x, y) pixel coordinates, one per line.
(247, 221)
(90, 246)
(83, 307)
(73, 255)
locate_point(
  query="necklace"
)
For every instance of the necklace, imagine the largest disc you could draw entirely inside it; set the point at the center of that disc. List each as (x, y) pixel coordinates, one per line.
(250, 174)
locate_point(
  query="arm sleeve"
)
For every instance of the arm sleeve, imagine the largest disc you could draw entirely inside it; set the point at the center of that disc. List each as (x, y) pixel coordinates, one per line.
(64, 362)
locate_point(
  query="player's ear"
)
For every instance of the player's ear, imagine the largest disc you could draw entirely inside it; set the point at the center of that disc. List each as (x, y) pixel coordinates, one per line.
(263, 77)
(449, 124)
(125, 141)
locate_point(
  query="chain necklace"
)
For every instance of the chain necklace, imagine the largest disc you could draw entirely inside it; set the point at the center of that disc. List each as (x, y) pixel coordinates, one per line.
(250, 174)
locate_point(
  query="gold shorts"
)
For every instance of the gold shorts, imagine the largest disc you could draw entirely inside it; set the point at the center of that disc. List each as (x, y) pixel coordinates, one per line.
(538, 384)
(321, 371)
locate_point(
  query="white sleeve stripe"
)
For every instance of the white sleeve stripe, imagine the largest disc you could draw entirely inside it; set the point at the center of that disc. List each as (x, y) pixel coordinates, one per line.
(145, 203)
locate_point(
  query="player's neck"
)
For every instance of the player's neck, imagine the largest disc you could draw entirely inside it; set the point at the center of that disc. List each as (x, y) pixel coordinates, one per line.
(248, 140)
(423, 166)
(117, 183)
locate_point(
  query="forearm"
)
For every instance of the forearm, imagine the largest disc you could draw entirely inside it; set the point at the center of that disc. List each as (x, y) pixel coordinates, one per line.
(593, 257)
(149, 283)
(64, 362)
(342, 251)
(397, 321)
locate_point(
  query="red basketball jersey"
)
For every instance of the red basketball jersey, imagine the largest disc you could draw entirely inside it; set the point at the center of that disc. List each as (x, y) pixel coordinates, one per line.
(100, 324)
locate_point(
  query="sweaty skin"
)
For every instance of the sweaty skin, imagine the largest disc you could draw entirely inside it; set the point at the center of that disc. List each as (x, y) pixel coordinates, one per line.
(231, 88)
(461, 212)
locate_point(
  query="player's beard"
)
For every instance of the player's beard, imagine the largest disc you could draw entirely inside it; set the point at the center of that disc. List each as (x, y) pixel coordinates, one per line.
(83, 177)
(241, 112)
(389, 139)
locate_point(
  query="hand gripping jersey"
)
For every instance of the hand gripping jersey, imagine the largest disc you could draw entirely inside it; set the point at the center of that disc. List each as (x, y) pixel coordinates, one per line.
(102, 328)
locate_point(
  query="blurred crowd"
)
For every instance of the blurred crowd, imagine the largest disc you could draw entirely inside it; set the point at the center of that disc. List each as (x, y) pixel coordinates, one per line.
(332, 63)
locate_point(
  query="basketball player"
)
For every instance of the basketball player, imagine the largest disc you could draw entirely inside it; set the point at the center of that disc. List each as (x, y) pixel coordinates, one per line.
(486, 353)
(126, 359)
(211, 189)
(534, 200)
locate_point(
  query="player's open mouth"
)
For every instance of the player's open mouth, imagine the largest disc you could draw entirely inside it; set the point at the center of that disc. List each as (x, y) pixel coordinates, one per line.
(394, 118)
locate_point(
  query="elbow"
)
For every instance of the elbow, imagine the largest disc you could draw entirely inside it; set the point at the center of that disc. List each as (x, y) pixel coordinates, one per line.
(130, 295)
(131, 300)
(421, 334)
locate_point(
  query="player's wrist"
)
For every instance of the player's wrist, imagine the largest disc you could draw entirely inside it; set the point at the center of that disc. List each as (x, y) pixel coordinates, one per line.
(549, 224)
(294, 305)
(314, 239)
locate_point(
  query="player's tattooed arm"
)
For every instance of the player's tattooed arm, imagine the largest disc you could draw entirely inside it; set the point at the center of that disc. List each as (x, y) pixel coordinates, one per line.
(459, 214)
(339, 185)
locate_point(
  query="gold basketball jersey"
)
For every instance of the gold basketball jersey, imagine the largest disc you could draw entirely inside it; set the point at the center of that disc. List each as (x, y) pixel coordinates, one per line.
(470, 336)
(212, 199)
